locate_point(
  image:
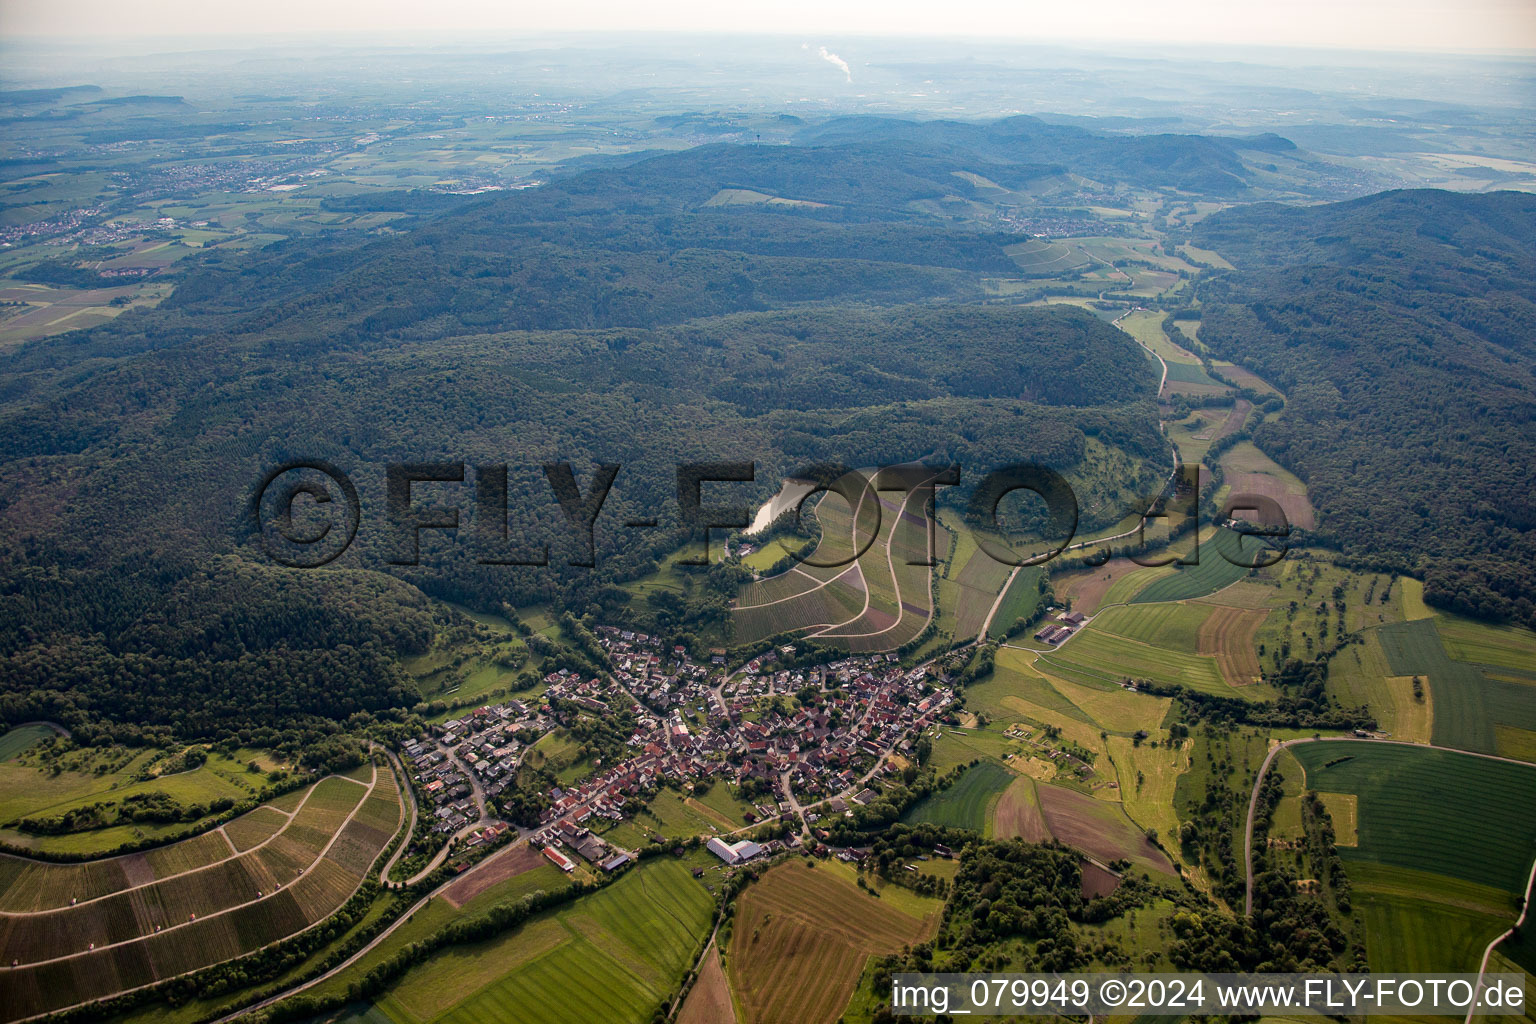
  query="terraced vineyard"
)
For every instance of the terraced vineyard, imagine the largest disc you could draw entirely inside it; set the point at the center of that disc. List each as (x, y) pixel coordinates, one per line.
(876, 601)
(78, 932)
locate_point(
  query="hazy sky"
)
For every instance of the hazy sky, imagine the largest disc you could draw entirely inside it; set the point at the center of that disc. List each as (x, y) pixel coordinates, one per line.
(1355, 24)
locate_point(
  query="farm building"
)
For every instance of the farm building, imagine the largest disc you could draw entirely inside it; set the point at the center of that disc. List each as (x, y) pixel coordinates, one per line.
(734, 853)
(559, 859)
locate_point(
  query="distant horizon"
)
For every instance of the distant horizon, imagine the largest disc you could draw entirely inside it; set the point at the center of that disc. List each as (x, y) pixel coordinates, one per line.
(1476, 28)
(491, 40)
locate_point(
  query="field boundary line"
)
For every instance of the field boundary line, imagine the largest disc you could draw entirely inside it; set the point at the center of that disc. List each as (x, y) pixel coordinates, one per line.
(189, 871)
(795, 597)
(890, 565)
(217, 913)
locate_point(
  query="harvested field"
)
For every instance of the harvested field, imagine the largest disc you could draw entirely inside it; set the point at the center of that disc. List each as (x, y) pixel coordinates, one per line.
(1098, 881)
(1099, 828)
(1228, 635)
(1086, 588)
(801, 938)
(1298, 510)
(709, 1001)
(1018, 814)
(509, 863)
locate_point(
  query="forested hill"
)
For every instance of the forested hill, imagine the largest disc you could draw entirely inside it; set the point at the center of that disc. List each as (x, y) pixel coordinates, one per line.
(612, 317)
(1209, 165)
(1403, 328)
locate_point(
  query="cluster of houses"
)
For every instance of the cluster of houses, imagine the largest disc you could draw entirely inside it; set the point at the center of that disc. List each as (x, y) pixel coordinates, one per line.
(566, 835)
(1061, 627)
(866, 705)
(481, 749)
(694, 722)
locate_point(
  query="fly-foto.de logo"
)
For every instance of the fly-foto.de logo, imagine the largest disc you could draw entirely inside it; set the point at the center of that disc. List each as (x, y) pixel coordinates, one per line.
(308, 512)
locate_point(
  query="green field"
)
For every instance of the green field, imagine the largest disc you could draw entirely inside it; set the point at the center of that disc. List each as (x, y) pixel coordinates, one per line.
(30, 786)
(1419, 921)
(1432, 810)
(610, 956)
(21, 738)
(1473, 708)
(967, 803)
(1212, 574)
(1095, 657)
(1176, 626)
(1020, 600)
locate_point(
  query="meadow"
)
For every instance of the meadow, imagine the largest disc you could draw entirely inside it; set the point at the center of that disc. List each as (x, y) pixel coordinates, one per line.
(1096, 657)
(1215, 570)
(1249, 471)
(33, 785)
(1473, 709)
(966, 804)
(612, 955)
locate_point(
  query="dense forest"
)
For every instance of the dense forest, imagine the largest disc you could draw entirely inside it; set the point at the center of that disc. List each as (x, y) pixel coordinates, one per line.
(1402, 328)
(610, 318)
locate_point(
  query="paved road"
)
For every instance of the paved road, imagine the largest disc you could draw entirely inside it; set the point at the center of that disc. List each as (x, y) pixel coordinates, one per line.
(1525, 910)
(484, 819)
(386, 933)
(1253, 800)
(410, 795)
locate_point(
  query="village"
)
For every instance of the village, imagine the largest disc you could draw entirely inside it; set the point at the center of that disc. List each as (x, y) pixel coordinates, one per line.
(799, 743)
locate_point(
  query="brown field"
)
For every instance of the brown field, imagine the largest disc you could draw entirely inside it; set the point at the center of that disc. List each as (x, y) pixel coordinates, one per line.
(1018, 814)
(1085, 588)
(509, 863)
(1298, 510)
(1099, 828)
(1097, 881)
(709, 1001)
(800, 941)
(1228, 634)
(1234, 421)
(1242, 594)
(1243, 378)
